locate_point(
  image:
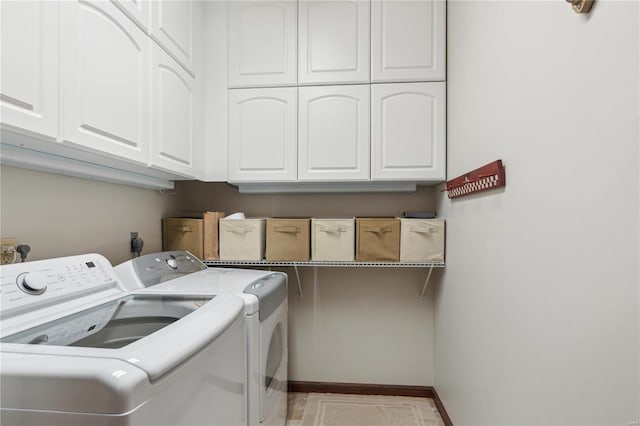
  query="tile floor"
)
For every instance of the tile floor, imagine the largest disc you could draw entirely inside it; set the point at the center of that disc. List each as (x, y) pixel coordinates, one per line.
(318, 409)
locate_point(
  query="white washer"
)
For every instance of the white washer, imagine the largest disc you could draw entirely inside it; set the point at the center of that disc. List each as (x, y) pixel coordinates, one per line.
(76, 348)
(265, 297)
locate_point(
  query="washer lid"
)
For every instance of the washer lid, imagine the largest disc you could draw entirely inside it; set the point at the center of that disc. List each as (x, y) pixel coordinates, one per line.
(113, 324)
(91, 385)
(153, 332)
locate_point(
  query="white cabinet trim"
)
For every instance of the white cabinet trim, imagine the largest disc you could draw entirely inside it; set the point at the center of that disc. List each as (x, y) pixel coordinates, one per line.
(139, 11)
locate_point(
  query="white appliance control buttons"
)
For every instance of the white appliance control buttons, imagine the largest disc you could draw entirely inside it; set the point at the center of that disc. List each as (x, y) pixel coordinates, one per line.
(173, 264)
(32, 282)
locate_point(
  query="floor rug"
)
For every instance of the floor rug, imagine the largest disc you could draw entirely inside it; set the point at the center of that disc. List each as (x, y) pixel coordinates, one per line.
(326, 409)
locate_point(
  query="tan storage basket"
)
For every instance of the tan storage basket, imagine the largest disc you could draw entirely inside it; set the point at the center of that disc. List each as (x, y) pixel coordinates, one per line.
(333, 240)
(378, 239)
(242, 239)
(422, 240)
(211, 247)
(183, 234)
(288, 239)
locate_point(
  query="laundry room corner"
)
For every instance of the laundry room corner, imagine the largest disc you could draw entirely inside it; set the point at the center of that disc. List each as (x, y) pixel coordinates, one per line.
(350, 325)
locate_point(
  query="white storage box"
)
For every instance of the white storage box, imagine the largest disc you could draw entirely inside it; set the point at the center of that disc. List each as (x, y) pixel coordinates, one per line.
(421, 240)
(333, 239)
(242, 239)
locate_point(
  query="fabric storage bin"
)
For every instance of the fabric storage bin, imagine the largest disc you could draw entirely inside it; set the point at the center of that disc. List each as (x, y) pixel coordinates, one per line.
(377, 239)
(242, 239)
(422, 240)
(181, 233)
(288, 239)
(333, 239)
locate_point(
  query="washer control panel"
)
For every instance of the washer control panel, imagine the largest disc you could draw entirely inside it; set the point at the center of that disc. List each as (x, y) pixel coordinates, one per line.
(152, 269)
(25, 285)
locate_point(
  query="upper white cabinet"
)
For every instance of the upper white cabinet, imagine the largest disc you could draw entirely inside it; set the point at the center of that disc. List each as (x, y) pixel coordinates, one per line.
(262, 43)
(262, 134)
(104, 80)
(408, 40)
(29, 65)
(333, 142)
(408, 131)
(333, 42)
(348, 129)
(138, 10)
(175, 26)
(173, 115)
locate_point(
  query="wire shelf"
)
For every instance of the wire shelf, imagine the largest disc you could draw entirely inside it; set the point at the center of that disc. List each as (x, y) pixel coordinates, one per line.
(326, 264)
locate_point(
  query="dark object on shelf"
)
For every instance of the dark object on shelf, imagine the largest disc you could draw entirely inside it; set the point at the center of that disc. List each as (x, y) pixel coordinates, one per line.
(419, 215)
(489, 176)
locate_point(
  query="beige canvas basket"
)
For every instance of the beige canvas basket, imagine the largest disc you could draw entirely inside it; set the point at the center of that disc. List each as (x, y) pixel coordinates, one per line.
(333, 239)
(422, 240)
(242, 239)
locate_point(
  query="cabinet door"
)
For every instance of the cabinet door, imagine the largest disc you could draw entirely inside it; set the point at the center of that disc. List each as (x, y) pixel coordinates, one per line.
(29, 65)
(262, 43)
(262, 134)
(173, 108)
(333, 141)
(408, 40)
(137, 10)
(105, 80)
(334, 42)
(408, 131)
(174, 25)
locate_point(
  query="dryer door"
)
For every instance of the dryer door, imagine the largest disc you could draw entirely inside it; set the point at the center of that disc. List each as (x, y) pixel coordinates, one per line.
(273, 360)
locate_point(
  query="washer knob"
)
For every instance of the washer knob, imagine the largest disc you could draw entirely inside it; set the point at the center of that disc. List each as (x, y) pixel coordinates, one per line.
(33, 282)
(172, 263)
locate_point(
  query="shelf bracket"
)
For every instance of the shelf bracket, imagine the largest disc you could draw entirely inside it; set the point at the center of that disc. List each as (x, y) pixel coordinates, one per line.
(298, 279)
(426, 282)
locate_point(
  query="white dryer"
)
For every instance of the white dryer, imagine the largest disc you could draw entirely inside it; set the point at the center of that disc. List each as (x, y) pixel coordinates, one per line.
(265, 297)
(77, 348)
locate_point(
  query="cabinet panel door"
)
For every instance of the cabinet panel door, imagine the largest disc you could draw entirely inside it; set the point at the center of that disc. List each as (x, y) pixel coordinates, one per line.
(105, 80)
(29, 65)
(137, 10)
(174, 24)
(262, 134)
(408, 40)
(262, 43)
(173, 108)
(408, 131)
(334, 42)
(333, 142)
